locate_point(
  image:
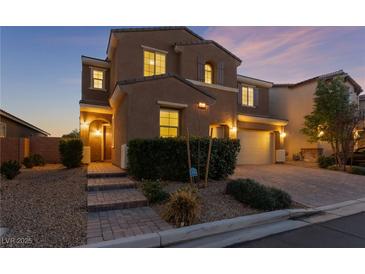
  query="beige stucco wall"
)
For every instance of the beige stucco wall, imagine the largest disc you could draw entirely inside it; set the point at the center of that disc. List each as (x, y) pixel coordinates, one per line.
(293, 104)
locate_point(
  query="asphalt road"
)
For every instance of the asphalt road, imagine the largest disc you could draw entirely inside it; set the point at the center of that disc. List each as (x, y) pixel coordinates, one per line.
(343, 232)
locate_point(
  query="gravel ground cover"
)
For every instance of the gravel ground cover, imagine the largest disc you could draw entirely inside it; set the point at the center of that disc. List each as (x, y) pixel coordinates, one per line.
(216, 205)
(44, 207)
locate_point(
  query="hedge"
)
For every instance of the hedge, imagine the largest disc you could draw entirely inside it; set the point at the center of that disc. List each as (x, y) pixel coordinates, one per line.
(166, 158)
(71, 152)
(258, 196)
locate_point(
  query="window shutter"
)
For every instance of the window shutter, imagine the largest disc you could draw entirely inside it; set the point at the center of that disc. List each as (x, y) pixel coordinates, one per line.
(239, 95)
(221, 73)
(200, 69)
(256, 97)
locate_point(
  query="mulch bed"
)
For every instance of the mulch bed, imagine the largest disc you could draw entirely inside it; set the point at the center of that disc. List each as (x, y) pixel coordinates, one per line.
(216, 205)
(44, 207)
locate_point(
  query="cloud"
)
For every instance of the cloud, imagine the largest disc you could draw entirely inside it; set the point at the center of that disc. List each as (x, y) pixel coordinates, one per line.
(290, 54)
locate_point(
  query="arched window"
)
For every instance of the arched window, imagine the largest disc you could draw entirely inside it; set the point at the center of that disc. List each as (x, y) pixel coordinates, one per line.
(208, 73)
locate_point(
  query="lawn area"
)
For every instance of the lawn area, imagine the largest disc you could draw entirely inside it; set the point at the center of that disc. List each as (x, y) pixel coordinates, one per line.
(215, 204)
(44, 207)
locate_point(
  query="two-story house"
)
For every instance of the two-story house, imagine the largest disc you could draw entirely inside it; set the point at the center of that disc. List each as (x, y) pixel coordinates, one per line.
(165, 82)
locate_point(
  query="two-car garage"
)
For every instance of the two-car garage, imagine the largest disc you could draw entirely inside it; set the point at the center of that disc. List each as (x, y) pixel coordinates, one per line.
(257, 147)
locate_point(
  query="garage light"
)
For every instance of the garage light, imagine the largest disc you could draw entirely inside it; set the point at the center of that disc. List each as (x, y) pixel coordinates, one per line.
(283, 135)
(234, 129)
(202, 105)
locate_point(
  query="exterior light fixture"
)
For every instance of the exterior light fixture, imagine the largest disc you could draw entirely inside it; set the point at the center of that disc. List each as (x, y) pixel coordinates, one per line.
(234, 129)
(283, 134)
(84, 124)
(321, 133)
(202, 105)
(97, 132)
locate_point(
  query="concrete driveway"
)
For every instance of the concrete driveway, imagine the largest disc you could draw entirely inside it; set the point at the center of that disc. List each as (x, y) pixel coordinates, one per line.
(308, 186)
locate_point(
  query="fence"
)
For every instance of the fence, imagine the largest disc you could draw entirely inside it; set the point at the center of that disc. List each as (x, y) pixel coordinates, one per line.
(17, 148)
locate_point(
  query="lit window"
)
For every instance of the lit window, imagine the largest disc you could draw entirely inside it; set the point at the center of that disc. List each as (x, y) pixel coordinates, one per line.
(154, 63)
(2, 129)
(247, 96)
(169, 123)
(208, 74)
(97, 79)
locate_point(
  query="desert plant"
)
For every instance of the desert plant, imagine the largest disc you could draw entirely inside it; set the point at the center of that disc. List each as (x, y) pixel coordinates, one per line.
(37, 160)
(71, 152)
(183, 207)
(326, 161)
(166, 158)
(154, 192)
(27, 162)
(258, 196)
(10, 169)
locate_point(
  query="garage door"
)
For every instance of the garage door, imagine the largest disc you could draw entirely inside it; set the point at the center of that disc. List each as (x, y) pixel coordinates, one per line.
(256, 147)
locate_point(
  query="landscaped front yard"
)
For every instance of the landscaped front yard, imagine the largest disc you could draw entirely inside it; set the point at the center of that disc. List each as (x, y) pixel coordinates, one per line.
(44, 207)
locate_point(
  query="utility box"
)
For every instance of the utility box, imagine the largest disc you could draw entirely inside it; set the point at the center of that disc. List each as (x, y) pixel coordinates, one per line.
(280, 156)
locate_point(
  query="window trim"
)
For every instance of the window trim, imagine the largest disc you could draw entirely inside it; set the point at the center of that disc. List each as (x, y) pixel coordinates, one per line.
(91, 86)
(178, 121)
(253, 96)
(2, 124)
(145, 48)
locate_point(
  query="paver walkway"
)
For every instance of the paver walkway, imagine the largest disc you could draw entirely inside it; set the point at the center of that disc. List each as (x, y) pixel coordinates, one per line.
(116, 208)
(308, 186)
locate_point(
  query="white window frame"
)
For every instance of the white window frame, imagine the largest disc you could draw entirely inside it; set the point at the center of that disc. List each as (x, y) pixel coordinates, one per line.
(92, 78)
(4, 126)
(248, 95)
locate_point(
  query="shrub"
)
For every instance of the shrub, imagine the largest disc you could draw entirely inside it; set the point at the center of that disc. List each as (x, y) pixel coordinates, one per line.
(183, 207)
(37, 160)
(154, 192)
(258, 196)
(27, 162)
(166, 158)
(71, 152)
(10, 169)
(358, 170)
(326, 161)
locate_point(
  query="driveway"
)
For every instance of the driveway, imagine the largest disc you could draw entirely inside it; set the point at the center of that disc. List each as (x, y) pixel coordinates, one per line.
(307, 186)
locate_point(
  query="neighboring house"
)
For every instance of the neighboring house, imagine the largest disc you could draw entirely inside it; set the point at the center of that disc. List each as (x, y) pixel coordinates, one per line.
(165, 81)
(11, 126)
(294, 101)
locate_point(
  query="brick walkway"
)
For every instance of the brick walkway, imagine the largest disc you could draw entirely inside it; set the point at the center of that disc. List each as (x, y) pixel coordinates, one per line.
(116, 208)
(113, 224)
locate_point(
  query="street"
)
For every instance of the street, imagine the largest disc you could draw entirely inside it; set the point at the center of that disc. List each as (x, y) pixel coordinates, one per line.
(343, 232)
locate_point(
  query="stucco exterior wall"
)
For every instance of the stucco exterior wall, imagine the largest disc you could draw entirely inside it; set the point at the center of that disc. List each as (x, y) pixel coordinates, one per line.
(294, 104)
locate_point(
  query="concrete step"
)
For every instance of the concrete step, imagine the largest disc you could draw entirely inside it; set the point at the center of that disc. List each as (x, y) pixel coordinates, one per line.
(106, 174)
(115, 199)
(110, 183)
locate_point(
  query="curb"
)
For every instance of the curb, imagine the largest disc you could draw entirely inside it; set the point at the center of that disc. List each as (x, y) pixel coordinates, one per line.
(170, 237)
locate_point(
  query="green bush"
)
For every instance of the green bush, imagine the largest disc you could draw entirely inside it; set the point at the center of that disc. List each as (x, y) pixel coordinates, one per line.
(258, 196)
(183, 208)
(71, 152)
(326, 161)
(154, 192)
(27, 162)
(37, 160)
(10, 169)
(358, 170)
(166, 158)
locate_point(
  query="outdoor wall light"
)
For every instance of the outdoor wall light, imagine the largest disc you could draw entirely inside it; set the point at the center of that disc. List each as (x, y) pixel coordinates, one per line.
(283, 134)
(320, 134)
(202, 105)
(234, 129)
(97, 132)
(84, 124)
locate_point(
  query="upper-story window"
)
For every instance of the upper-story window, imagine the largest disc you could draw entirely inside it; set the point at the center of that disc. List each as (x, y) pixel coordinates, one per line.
(154, 63)
(97, 78)
(208, 73)
(248, 96)
(2, 129)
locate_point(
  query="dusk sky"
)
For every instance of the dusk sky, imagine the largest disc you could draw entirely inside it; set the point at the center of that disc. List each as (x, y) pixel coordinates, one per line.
(40, 66)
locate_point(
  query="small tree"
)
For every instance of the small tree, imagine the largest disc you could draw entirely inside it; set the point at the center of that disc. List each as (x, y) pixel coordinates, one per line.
(71, 152)
(334, 119)
(74, 134)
